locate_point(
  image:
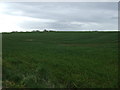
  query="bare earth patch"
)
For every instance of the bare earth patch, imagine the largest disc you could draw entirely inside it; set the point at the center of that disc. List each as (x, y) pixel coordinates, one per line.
(29, 40)
(66, 44)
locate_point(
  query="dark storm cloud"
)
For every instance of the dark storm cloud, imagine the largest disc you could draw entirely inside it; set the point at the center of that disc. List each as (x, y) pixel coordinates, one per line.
(67, 16)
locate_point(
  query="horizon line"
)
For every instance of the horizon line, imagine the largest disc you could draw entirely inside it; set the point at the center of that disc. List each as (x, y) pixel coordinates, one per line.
(58, 31)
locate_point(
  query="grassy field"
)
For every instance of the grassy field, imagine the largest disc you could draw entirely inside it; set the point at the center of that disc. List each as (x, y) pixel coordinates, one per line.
(60, 59)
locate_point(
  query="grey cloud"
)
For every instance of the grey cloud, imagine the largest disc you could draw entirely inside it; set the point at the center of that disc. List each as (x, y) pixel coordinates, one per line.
(65, 13)
(49, 25)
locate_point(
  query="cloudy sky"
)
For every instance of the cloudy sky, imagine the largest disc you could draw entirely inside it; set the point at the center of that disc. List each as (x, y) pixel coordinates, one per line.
(29, 16)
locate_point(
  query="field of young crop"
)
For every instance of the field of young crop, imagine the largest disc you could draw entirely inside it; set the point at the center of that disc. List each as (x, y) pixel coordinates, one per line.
(60, 59)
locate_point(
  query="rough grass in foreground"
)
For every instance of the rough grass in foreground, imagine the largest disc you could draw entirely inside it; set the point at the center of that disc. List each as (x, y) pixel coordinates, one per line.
(60, 60)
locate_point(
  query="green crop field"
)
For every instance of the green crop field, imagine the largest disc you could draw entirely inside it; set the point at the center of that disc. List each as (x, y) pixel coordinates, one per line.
(60, 59)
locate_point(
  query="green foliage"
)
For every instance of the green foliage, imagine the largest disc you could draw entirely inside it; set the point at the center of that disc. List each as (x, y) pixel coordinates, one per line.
(60, 60)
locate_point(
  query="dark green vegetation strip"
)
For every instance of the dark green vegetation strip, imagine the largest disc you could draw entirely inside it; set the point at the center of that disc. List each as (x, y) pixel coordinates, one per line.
(60, 59)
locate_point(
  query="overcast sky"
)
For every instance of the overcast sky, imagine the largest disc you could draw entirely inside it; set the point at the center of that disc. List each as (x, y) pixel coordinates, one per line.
(58, 16)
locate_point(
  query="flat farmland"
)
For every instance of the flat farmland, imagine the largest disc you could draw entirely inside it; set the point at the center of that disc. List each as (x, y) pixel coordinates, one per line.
(60, 59)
